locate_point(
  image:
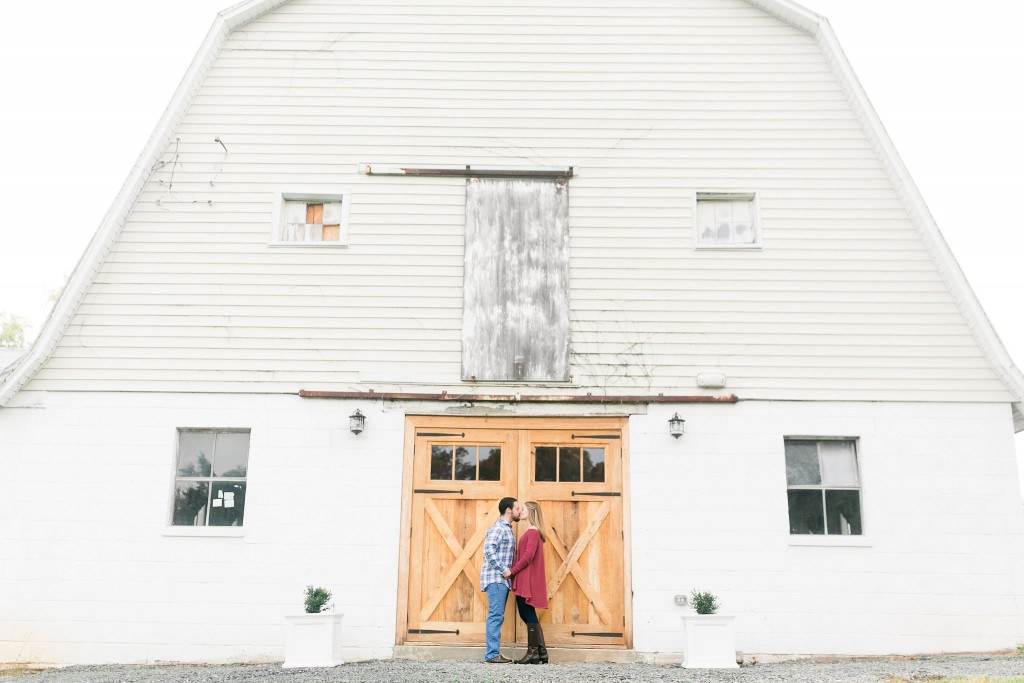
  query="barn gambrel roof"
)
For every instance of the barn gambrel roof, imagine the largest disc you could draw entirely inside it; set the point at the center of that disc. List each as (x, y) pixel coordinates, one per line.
(790, 12)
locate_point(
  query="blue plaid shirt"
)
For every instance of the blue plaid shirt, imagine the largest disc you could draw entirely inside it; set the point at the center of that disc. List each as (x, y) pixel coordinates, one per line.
(499, 548)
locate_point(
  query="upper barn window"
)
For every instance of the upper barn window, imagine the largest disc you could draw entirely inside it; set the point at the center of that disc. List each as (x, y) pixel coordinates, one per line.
(515, 323)
(310, 219)
(727, 220)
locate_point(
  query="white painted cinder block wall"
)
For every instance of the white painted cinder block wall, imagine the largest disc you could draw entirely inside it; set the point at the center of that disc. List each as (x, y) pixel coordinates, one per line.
(939, 568)
(90, 574)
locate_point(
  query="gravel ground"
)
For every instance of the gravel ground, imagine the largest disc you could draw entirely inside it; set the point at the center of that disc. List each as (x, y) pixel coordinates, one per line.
(868, 670)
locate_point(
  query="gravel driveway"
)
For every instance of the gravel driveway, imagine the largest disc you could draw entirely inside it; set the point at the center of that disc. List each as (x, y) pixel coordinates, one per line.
(874, 670)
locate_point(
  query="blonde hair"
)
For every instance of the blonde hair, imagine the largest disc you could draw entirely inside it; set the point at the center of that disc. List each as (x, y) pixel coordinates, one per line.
(536, 518)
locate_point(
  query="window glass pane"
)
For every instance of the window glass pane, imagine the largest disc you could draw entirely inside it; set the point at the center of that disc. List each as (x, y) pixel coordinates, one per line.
(195, 453)
(843, 508)
(544, 463)
(227, 503)
(441, 462)
(806, 515)
(465, 463)
(593, 464)
(490, 463)
(722, 233)
(568, 464)
(742, 223)
(839, 463)
(802, 463)
(190, 498)
(295, 212)
(722, 221)
(332, 213)
(231, 458)
(706, 222)
(314, 213)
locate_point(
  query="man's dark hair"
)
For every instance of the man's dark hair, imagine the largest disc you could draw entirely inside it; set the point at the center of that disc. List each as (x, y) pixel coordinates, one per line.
(505, 504)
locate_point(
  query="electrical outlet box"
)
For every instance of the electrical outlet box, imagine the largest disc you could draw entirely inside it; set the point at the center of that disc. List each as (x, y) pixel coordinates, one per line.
(681, 600)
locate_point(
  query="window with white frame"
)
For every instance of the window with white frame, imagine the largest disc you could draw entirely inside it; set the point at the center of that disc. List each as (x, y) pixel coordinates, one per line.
(303, 219)
(209, 481)
(823, 483)
(727, 220)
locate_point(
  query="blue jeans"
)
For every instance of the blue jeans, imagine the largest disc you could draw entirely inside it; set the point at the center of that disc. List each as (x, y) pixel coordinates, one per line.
(497, 594)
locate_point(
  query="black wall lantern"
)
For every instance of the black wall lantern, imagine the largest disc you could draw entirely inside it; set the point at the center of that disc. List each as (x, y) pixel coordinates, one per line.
(675, 426)
(356, 421)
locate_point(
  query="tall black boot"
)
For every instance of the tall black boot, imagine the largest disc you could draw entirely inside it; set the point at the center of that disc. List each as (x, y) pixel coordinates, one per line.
(532, 655)
(542, 650)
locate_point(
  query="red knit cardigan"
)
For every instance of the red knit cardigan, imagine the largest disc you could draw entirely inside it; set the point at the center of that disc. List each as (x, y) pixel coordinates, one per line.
(529, 580)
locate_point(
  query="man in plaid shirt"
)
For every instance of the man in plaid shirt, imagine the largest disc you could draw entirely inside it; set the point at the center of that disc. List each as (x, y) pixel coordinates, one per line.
(499, 549)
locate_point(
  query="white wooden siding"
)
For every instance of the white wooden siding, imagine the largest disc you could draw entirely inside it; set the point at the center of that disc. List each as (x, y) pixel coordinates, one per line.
(648, 102)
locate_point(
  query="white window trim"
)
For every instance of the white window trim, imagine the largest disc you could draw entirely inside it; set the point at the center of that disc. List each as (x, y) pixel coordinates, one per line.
(205, 531)
(309, 194)
(753, 196)
(830, 541)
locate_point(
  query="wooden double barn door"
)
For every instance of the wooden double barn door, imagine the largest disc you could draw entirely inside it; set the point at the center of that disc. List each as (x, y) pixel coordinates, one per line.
(457, 471)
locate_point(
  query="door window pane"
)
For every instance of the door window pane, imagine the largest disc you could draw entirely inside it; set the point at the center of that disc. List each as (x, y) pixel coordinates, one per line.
(843, 508)
(441, 462)
(568, 464)
(806, 515)
(465, 463)
(490, 463)
(544, 463)
(593, 464)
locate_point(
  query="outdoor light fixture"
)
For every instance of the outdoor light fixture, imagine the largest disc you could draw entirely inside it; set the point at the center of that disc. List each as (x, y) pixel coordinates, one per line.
(356, 421)
(675, 426)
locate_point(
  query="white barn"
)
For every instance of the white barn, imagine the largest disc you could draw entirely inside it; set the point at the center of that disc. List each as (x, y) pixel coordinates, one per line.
(518, 238)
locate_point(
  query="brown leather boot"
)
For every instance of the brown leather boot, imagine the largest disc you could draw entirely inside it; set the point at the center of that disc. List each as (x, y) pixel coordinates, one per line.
(532, 655)
(542, 650)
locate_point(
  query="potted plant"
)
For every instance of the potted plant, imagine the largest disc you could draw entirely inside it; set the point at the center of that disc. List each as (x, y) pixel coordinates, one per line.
(314, 638)
(710, 638)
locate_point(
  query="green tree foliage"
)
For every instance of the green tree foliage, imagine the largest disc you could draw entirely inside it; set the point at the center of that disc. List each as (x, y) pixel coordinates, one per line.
(12, 330)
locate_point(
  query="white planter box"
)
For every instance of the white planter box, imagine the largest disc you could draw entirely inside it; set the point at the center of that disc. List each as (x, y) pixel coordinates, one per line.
(710, 641)
(313, 640)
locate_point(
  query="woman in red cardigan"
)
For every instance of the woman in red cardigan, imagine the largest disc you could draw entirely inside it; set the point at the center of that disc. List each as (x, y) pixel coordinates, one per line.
(530, 584)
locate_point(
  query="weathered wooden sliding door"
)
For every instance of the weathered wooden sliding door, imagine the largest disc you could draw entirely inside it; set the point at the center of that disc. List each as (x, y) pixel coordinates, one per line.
(457, 471)
(515, 313)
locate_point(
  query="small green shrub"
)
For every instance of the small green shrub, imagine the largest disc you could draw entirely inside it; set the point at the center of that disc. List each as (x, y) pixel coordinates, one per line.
(316, 599)
(704, 602)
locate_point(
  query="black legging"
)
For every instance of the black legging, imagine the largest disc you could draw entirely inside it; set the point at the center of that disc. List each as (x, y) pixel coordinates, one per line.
(526, 612)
